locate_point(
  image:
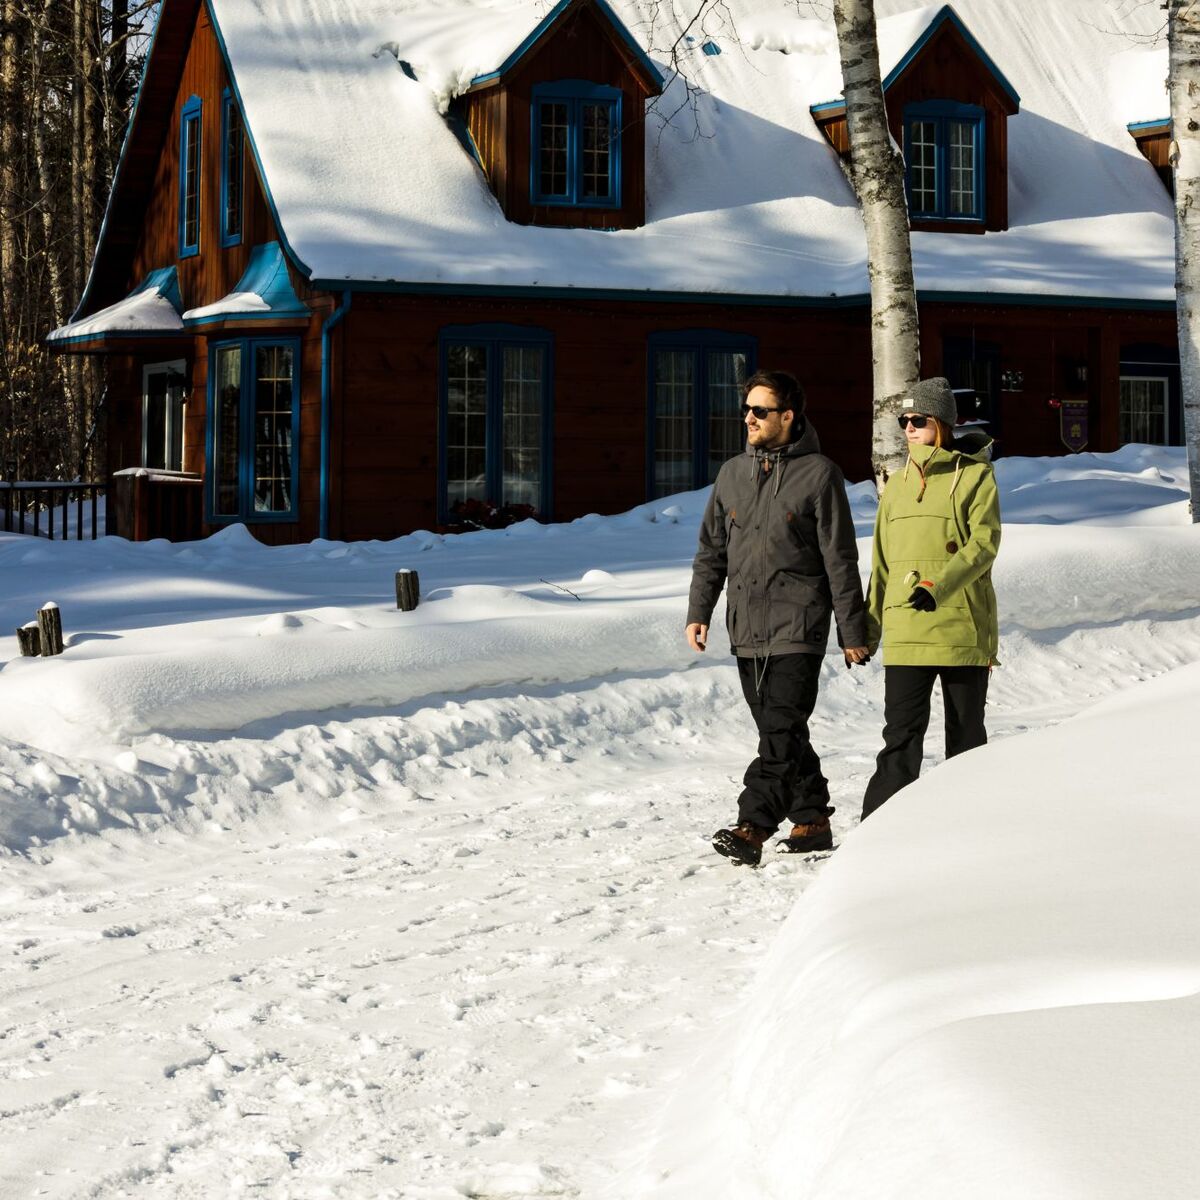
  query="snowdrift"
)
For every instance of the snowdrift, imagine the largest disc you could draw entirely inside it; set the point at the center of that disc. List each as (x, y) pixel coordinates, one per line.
(217, 634)
(992, 990)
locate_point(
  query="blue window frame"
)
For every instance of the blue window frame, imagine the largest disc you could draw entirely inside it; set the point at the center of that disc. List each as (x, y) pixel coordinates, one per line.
(944, 161)
(253, 430)
(695, 422)
(495, 418)
(575, 145)
(189, 178)
(232, 170)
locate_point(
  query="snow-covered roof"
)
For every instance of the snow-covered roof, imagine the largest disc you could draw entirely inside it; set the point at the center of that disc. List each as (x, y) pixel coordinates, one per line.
(744, 195)
(151, 309)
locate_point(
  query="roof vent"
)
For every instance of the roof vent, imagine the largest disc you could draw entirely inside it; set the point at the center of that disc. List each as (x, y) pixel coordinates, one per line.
(711, 49)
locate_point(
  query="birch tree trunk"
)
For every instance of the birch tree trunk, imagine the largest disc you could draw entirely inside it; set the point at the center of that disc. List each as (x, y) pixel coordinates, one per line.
(877, 170)
(1184, 82)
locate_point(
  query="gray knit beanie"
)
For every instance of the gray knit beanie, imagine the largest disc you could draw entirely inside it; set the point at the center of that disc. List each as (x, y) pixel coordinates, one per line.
(934, 398)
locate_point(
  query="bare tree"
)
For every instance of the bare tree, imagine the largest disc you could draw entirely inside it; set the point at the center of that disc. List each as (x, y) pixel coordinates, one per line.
(1183, 35)
(877, 172)
(67, 69)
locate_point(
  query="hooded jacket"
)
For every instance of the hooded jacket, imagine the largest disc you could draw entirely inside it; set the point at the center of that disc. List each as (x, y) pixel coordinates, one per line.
(938, 526)
(778, 528)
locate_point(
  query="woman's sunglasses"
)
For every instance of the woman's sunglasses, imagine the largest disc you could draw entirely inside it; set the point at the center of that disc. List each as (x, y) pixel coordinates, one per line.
(761, 413)
(917, 422)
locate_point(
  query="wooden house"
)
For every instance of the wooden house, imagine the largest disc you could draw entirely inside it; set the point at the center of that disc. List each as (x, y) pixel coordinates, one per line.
(366, 264)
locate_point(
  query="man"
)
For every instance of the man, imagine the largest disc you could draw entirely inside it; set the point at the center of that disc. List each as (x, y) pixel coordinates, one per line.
(778, 528)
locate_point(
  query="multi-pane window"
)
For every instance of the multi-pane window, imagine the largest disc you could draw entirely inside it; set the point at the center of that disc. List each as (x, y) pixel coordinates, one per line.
(696, 380)
(1143, 412)
(189, 179)
(495, 417)
(466, 423)
(163, 398)
(552, 148)
(576, 141)
(962, 136)
(922, 166)
(597, 151)
(253, 427)
(274, 424)
(943, 157)
(232, 171)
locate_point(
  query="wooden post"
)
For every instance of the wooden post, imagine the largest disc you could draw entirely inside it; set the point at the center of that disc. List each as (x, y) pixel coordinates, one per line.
(49, 621)
(29, 638)
(408, 590)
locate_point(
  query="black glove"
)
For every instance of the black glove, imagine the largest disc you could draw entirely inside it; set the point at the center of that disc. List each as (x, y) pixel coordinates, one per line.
(922, 600)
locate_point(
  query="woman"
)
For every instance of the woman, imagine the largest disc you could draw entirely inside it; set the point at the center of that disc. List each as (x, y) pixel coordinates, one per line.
(930, 600)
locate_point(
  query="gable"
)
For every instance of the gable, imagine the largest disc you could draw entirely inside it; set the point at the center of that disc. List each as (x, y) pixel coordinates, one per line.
(948, 63)
(570, 24)
(949, 51)
(185, 70)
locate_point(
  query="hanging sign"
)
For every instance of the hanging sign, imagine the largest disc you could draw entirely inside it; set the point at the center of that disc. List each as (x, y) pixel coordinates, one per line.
(1073, 424)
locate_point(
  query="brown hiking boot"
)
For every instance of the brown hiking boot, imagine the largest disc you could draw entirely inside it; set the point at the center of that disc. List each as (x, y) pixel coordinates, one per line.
(743, 843)
(807, 839)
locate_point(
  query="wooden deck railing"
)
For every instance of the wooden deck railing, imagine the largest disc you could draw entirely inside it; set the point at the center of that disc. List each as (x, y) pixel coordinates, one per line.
(30, 507)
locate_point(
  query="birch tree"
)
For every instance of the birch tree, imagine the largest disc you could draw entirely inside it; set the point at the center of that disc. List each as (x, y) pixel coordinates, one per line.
(877, 173)
(1183, 36)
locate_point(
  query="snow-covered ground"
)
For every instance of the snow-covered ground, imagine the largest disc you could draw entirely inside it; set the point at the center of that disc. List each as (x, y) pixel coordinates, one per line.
(308, 897)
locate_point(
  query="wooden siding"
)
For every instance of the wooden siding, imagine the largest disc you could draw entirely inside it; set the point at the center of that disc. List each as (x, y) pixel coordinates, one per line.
(582, 46)
(385, 433)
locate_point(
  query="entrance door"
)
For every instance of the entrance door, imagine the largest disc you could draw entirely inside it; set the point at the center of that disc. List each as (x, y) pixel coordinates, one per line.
(164, 389)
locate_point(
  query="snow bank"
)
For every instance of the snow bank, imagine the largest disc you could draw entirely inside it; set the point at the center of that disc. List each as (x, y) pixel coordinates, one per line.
(991, 991)
(217, 634)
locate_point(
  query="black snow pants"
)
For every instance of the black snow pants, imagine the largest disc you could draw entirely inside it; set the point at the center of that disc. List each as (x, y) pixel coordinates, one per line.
(785, 779)
(906, 696)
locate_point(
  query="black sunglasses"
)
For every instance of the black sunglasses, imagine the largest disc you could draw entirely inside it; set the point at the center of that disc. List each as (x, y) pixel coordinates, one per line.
(917, 421)
(757, 410)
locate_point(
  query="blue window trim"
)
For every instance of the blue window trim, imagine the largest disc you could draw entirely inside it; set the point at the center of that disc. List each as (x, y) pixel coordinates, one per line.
(940, 113)
(228, 107)
(190, 125)
(575, 93)
(496, 337)
(698, 342)
(246, 513)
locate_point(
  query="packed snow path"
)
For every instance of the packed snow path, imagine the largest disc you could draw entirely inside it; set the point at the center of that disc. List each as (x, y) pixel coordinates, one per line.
(462, 950)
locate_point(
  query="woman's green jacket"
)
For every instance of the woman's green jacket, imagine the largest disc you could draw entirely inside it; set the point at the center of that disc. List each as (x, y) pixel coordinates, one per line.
(938, 527)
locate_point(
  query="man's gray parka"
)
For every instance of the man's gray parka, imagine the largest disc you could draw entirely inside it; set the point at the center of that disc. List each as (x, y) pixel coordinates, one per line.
(778, 528)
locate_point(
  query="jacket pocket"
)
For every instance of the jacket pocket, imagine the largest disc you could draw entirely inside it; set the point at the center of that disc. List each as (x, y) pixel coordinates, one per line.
(949, 626)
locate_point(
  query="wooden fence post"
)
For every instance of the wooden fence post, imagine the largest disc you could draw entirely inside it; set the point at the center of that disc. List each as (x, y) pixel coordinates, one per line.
(29, 638)
(49, 621)
(408, 590)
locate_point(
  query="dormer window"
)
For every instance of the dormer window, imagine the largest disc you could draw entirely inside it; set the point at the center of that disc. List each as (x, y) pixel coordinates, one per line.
(948, 105)
(944, 162)
(557, 149)
(576, 130)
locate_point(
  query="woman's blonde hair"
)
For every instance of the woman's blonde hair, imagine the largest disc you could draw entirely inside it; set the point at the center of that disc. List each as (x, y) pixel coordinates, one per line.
(943, 435)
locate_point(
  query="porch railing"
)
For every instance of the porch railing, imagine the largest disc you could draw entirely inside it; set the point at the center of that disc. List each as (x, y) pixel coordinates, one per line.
(32, 506)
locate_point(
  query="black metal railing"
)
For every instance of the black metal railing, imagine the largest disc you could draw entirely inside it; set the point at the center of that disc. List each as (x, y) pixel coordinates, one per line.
(30, 507)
